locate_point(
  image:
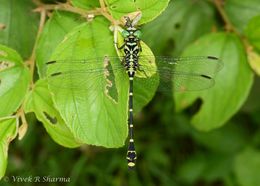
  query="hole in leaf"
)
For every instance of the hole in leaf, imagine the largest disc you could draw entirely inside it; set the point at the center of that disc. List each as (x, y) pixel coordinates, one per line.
(5, 64)
(194, 108)
(53, 120)
(177, 26)
(110, 86)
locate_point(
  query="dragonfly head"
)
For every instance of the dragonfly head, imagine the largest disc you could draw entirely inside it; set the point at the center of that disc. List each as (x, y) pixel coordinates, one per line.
(130, 29)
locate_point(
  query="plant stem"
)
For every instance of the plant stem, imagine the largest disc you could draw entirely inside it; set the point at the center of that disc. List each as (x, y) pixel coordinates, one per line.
(229, 26)
(31, 61)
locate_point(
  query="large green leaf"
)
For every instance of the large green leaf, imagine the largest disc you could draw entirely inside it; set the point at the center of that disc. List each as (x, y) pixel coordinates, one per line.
(240, 12)
(21, 25)
(247, 165)
(93, 109)
(8, 131)
(14, 80)
(118, 8)
(39, 101)
(92, 115)
(226, 140)
(232, 85)
(53, 33)
(182, 22)
(253, 31)
(150, 9)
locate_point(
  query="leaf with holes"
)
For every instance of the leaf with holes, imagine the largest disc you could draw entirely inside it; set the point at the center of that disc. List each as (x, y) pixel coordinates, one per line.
(232, 85)
(39, 101)
(8, 131)
(92, 116)
(14, 80)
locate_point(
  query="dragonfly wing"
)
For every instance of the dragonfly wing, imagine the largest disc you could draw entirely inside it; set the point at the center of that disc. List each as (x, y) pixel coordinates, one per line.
(183, 74)
(81, 74)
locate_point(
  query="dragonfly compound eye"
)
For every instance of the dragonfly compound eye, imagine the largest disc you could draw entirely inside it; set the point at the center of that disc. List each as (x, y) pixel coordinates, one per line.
(125, 33)
(138, 34)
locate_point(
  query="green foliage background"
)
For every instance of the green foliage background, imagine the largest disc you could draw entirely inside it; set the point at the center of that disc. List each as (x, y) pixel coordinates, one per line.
(202, 138)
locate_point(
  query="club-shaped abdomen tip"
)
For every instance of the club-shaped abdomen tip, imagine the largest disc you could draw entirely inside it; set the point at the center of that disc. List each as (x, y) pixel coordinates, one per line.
(131, 165)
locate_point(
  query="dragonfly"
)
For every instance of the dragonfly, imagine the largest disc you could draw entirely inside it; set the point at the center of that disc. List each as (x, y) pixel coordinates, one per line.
(178, 74)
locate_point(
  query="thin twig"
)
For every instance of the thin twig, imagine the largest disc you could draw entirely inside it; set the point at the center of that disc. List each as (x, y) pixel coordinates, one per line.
(31, 61)
(229, 26)
(102, 4)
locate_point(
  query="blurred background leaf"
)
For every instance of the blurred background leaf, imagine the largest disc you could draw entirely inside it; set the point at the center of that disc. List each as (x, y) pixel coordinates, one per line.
(180, 24)
(240, 12)
(17, 33)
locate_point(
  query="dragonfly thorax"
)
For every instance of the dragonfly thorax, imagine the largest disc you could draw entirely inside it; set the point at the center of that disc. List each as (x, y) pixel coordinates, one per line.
(131, 50)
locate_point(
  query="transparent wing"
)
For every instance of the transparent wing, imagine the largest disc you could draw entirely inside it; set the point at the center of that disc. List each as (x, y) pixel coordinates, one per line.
(185, 73)
(181, 74)
(80, 74)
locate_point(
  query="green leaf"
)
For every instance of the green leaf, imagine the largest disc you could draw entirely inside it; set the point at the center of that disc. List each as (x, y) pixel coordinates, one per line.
(53, 33)
(118, 8)
(39, 101)
(208, 167)
(247, 165)
(192, 169)
(232, 85)
(87, 4)
(182, 22)
(8, 131)
(226, 140)
(150, 9)
(240, 12)
(20, 25)
(252, 31)
(92, 115)
(14, 80)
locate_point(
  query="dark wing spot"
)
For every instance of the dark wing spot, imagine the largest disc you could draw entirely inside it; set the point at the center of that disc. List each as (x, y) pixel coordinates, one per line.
(56, 74)
(53, 120)
(205, 76)
(50, 62)
(212, 57)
